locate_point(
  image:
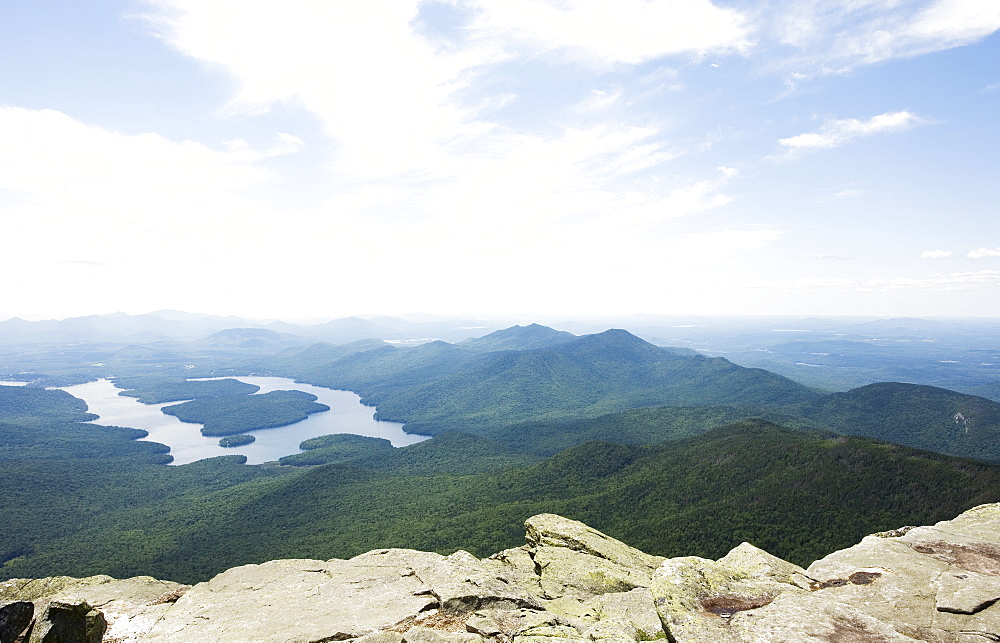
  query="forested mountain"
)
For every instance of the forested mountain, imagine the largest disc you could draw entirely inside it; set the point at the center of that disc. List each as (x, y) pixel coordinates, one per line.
(487, 387)
(651, 425)
(924, 417)
(374, 374)
(801, 494)
(519, 338)
(440, 387)
(305, 358)
(258, 340)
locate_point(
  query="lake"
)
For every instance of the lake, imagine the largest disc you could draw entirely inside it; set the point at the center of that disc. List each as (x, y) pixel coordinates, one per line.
(187, 444)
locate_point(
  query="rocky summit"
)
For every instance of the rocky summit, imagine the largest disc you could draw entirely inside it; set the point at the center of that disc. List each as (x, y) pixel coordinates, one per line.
(568, 583)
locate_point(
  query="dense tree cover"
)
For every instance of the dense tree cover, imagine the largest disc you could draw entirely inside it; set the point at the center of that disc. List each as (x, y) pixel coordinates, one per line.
(519, 338)
(381, 372)
(299, 359)
(798, 494)
(924, 417)
(327, 449)
(635, 426)
(551, 393)
(155, 390)
(440, 387)
(51, 509)
(31, 404)
(589, 376)
(236, 440)
(71, 440)
(234, 414)
(448, 453)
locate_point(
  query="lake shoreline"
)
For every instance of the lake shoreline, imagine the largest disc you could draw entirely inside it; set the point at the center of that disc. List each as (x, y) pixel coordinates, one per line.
(187, 444)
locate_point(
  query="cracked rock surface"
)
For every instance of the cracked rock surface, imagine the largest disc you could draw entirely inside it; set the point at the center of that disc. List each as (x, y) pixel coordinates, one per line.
(939, 583)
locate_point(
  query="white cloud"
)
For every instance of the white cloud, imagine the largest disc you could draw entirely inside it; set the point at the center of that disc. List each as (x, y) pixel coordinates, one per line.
(408, 142)
(835, 133)
(84, 190)
(401, 103)
(627, 31)
(936, 254)
(108, 221)
(599, 101)
(950, 23)
(50, 155)
(983, 252)
(839, 35)
(383, 92)
(430, 190)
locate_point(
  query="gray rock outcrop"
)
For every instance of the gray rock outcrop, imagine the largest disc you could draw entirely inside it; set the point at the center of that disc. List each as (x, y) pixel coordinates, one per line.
(128, 608)
(937, 583)
(568, 583)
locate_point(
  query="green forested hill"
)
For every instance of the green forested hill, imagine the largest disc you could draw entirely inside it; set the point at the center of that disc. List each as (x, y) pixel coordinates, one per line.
(651, 425)
(233, 414)
(590, 376)
(439, 387)
(519, 338)
(925, 417)
(799, 494)
(482, 384)
(328, 449)
(448, 454)
(302, 359)
(156, 390)
(30, 404)
(374, 374)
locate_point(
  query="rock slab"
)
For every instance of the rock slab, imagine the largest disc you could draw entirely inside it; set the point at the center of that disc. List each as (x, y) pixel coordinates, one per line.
(937, 583)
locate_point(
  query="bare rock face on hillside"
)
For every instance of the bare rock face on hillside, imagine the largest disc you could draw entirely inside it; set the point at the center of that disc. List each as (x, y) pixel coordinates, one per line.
(568, 583)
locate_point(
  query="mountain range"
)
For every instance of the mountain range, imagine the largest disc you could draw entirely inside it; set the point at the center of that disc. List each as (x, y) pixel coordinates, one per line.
(528, 375)
(677, 451)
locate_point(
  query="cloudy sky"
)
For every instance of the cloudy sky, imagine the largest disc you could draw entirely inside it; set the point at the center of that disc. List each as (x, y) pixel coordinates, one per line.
(311, 158)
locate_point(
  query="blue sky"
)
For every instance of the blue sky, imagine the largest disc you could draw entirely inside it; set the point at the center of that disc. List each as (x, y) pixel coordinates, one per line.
(321, 159)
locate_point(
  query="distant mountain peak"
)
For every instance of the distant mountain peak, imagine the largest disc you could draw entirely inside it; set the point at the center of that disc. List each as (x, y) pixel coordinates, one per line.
(530, 337)
(616, 337)
(619, 334)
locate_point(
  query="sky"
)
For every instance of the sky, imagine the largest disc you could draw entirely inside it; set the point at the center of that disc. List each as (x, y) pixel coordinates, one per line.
(318, 159)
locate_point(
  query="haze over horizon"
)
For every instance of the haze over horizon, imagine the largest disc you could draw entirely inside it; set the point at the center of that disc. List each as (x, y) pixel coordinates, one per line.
(319, 159)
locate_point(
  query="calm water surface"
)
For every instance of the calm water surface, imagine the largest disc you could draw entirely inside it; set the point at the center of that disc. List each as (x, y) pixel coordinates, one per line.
(187, 444)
